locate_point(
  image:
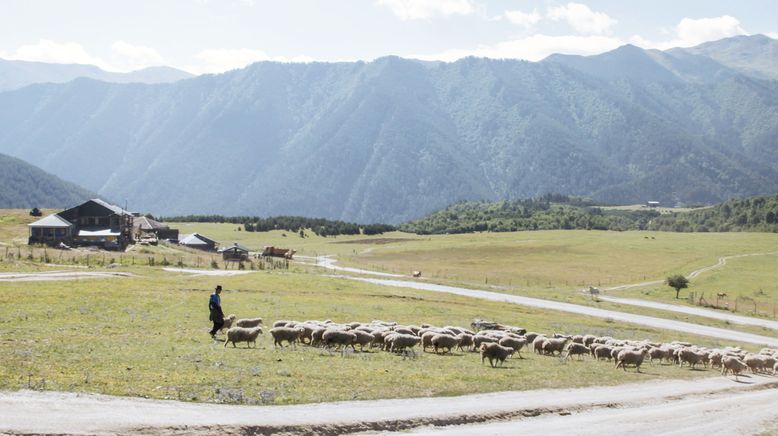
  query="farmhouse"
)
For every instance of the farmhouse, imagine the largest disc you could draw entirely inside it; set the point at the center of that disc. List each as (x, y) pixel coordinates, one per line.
(93, 223)
(51, 230)
(237, 253)
(198, 241)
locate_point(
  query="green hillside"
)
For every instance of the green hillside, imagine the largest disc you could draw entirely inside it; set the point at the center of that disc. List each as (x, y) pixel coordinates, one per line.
(25, 186)
(559, 212)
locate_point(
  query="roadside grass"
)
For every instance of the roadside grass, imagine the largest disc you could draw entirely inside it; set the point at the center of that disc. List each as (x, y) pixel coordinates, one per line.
(147, 336)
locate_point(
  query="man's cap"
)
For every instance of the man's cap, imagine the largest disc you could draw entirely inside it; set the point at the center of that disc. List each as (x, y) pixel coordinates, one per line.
(218, 287)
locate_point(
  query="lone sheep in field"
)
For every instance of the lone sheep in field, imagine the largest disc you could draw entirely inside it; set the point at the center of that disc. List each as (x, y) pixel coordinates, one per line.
(242, 334)
(631, 357)
(248, 322)
(730, 363)
(440, 341)
(289, 334)
(228, 322)
(494, 351)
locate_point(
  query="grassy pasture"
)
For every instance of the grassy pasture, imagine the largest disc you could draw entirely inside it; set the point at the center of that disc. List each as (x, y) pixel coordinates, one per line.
(147, 336)
(560, 259)
(754, 277)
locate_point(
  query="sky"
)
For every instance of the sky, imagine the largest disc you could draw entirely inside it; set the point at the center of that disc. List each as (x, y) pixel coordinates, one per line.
(212, 36)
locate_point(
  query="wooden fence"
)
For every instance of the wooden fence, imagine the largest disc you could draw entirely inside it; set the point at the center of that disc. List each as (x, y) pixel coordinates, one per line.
(741, 304)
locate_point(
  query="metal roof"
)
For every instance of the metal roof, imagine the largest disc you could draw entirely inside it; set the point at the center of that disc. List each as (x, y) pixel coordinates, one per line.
(193, 239)
(236, 247)
(101, 232)
(50, 221)
(116, 209)
(146, 223)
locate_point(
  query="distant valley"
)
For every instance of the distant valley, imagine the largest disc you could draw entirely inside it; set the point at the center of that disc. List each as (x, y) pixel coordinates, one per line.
(394, 139)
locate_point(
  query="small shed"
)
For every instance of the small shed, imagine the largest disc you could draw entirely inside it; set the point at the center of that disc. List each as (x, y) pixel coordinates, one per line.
(198, 241)
(144, 226)
(235, 253)
(51, 230)
(652, 203)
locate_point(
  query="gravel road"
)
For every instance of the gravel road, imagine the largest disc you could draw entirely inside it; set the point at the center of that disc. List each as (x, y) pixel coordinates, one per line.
(21, 412)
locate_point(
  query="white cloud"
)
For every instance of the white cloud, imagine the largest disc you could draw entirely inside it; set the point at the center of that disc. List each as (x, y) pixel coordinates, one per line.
(693, 32)
(525, 19)
(225, 59)
(133, 57)
(423, 9)
(690, 32)
(773, 35)
(582, 19)
(46, 50)
(533, 48)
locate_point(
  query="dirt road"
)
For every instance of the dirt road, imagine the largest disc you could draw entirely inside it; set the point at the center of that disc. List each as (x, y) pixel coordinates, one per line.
(59, 275)
(707, 313)
(98, 414)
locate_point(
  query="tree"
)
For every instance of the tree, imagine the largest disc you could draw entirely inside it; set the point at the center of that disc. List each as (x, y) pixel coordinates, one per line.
(678, 282)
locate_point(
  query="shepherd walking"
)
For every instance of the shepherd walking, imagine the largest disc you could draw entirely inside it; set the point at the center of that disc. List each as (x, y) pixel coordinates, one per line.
(215, 306)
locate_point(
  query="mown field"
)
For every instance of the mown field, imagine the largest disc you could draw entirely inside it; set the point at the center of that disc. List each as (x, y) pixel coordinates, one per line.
(147, 336)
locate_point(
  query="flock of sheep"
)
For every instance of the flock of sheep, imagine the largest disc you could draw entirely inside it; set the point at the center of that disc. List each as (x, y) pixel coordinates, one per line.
(496, 343)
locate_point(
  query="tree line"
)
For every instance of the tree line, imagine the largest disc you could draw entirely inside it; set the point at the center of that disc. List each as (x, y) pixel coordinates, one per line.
(297, 224)
(556, 212)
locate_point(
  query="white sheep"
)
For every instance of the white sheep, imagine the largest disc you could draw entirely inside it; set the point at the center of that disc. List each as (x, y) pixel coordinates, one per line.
(401, 342)
(289, 334)
(242, 334)
(494, 351)
(631, 357)
(578, 349)
(514, 343)
(731, 363)
(448, 342)
(555, 345)
(341, 338)
(465, 340)
(248, 322)
(228, 322)
(362, 338)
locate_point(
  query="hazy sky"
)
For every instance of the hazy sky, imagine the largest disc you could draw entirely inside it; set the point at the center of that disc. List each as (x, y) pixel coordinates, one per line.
(217, 35)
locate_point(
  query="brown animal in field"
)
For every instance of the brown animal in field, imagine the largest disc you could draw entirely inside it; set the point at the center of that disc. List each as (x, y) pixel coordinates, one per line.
(416, 274)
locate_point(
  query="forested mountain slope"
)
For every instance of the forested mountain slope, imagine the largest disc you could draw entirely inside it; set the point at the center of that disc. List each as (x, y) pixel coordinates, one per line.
(394, 139)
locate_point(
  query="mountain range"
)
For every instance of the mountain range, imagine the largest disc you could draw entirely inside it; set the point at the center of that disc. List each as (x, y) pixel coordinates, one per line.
(18, 74)
(393, 139)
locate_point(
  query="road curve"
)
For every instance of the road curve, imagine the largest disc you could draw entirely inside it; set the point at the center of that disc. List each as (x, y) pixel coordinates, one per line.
(649, 321)
(707, 313)
(72, 413)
